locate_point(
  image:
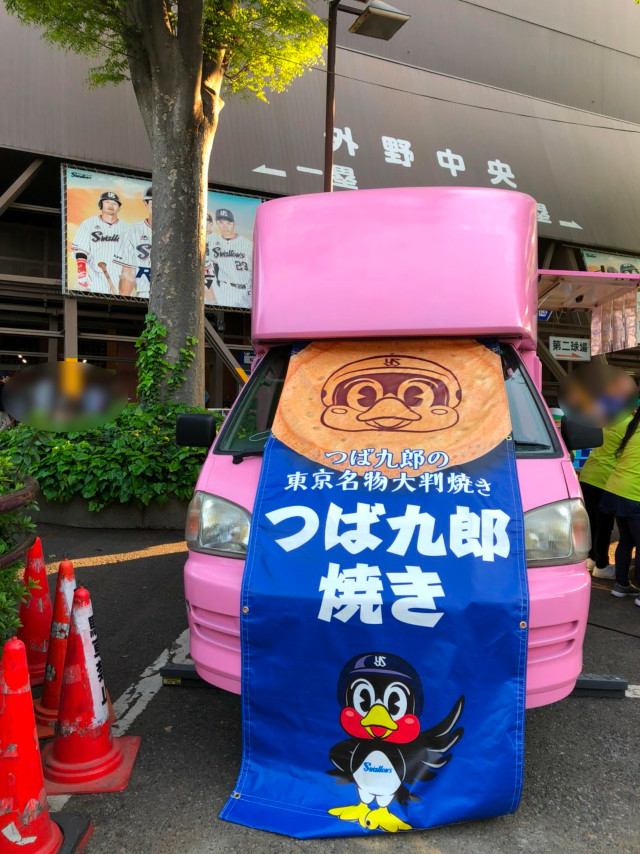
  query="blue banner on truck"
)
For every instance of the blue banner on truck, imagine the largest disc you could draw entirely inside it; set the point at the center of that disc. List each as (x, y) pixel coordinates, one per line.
(384, 603)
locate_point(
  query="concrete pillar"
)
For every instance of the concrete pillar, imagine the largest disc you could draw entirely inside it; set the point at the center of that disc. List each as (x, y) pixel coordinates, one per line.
(52, 343)
(70, 328)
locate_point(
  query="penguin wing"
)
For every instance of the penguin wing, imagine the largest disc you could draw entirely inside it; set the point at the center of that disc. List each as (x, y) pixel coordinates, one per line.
(403, 796)
(430, 750)
(341, 755)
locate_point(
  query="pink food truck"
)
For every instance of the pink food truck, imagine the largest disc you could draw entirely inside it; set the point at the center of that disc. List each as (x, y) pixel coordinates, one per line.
(392, 263)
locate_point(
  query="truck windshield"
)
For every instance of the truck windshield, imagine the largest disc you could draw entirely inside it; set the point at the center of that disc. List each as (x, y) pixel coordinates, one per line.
(247, 427)
(246, 430)
(533, 431)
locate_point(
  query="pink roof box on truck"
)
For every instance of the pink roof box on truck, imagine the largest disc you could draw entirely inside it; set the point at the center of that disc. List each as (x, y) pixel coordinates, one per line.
(451, 261)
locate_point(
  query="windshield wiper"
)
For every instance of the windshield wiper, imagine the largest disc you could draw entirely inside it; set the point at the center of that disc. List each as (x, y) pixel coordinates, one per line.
(524, 444)
(240, 455)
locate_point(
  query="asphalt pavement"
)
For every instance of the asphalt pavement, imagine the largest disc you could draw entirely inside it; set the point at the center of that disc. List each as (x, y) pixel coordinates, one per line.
(582, 761)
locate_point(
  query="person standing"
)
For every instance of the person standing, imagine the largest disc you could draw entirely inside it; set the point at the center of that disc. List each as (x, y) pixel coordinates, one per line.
(621, 496)
(593, 478)
(231, 254)
(210, 269)
(134, 255)
(96, 242)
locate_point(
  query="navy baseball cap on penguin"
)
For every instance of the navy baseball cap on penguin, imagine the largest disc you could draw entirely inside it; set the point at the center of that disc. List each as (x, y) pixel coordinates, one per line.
(385, 664)
(225, 213)
(147, 194)
(109, 197)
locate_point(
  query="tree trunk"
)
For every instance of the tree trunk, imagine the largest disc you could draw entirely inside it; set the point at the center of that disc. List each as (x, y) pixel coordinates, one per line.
(180, 169)
(178, 92)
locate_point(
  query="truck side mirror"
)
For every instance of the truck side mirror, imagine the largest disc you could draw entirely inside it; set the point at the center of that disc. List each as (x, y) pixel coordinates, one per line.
(577, 436)
(196, 429)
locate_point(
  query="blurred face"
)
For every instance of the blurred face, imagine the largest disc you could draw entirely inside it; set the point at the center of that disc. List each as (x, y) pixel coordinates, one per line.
(209, 226)
(598, 394)
(110, 210)
(226, 227)
(149, 205)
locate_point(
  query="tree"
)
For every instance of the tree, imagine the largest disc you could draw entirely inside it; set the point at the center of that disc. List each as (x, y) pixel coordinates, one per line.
(179, 55)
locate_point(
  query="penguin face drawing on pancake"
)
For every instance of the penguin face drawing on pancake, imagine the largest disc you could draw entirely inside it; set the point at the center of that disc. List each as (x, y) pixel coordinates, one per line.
(381, 700)
(391, 393)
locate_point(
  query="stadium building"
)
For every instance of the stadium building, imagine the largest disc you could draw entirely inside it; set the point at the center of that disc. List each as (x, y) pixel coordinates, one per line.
(541, 98)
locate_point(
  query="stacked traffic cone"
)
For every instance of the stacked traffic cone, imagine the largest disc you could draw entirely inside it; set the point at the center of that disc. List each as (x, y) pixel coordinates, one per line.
(84, 756)
(46, 708)
(25, 824)
(35, 614)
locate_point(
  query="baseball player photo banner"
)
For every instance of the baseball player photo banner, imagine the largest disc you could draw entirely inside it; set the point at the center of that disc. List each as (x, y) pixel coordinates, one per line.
(108, 227)
(384, 605)
(229, 250)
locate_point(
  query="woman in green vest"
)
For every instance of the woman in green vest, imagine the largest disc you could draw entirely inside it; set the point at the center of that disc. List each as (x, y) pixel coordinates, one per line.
(593, 477)
(622, 497)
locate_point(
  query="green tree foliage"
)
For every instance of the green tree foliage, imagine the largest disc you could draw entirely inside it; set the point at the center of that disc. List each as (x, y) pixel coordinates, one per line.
(15, 526)
(133, 458)
(158, 379)
(182, 56)
(260, 45)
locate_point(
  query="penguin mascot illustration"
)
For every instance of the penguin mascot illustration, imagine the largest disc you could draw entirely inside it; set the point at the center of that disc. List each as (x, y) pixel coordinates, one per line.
(391, 393)
(381, 699)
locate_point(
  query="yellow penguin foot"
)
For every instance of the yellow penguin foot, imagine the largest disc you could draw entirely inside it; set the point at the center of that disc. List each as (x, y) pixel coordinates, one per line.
(385, 820)
(354, 813)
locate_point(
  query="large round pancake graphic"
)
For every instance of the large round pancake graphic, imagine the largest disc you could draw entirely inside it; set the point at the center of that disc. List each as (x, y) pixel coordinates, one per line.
(444, 397)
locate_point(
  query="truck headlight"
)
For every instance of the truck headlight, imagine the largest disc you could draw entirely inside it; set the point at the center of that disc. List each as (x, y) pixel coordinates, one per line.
(557, 533)
(217, 526)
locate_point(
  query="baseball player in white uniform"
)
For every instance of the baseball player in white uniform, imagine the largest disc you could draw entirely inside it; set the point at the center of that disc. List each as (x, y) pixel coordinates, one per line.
(134, 257)
(229, 255)
(210, 272)
(96, 242)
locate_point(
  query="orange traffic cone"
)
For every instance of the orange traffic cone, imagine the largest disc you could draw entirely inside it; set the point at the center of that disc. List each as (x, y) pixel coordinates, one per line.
(25, 824)
(84, 756)
(46, 708)
(35, 614)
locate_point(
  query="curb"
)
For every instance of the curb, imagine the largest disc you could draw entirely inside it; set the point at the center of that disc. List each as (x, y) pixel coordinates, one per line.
(75, 513)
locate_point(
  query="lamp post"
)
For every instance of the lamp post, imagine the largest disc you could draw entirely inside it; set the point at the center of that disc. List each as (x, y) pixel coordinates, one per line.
(377, 20)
